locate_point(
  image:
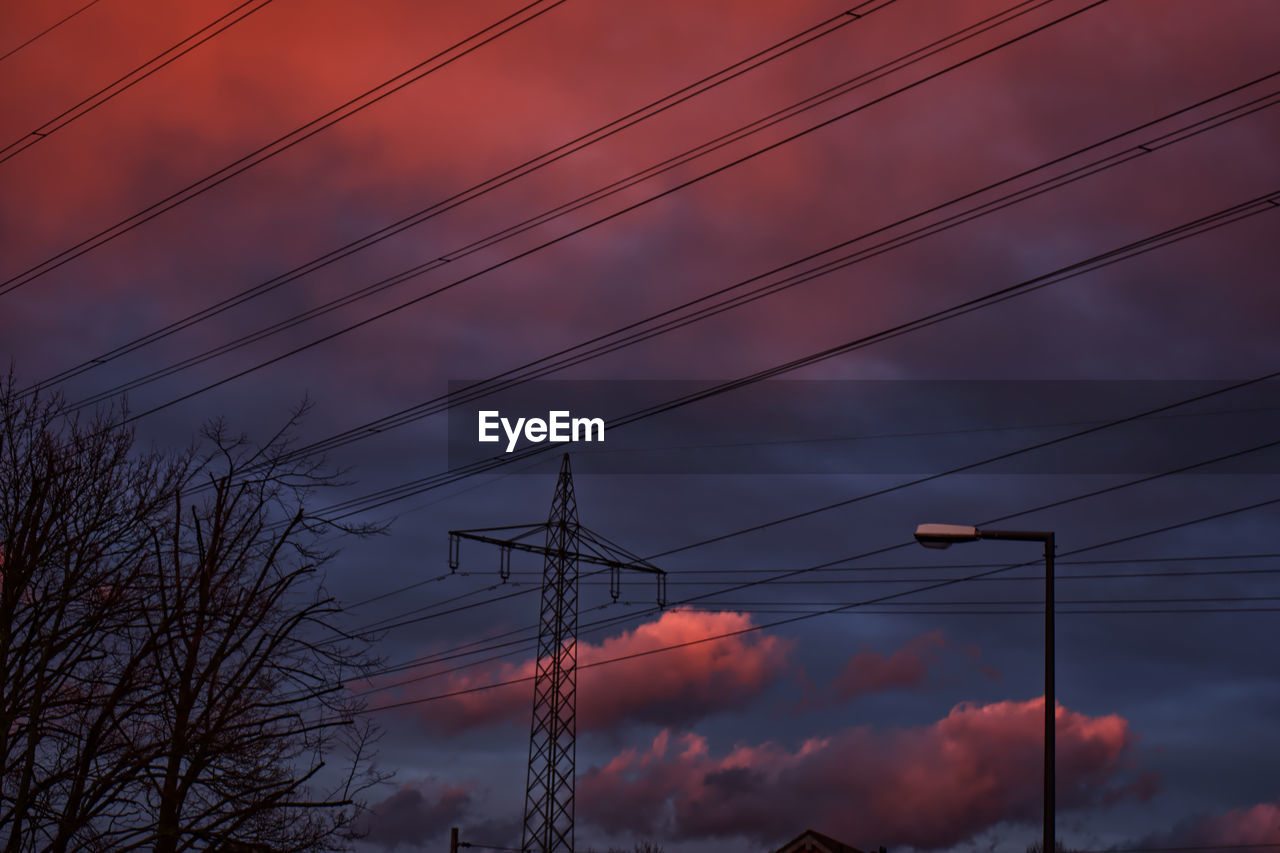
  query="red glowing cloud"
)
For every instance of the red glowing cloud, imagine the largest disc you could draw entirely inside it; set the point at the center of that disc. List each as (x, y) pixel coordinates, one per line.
(1258, 824)
(929, 786)
(673, 688)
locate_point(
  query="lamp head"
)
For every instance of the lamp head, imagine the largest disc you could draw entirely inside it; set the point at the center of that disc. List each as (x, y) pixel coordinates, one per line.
(943, 535)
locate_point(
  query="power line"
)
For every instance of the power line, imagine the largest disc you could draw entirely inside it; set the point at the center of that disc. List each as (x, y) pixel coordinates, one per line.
(939, 566)
(526, 644)
(445, 402)
(999, 519)
(991, 572)
(1169, 237)
(435, 604)
(48, 30)
(877, 436)
(679, 581)
(398, 590)
(959, 469)
(999, 602)
(137, 75)
(979, 463)
(422, 268)
(579, 353)
(756, 60)
(783, 577)
(333, 443)
(672, 323)
(283, 143)
(792, 619)
(402, 619)
(683, 579)
(519, 645)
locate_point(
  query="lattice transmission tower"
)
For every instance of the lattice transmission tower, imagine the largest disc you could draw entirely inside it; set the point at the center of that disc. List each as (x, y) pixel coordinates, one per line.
(549, 779)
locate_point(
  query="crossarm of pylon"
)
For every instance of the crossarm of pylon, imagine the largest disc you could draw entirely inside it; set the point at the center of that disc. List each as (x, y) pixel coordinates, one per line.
(591, 558)
(612, 554)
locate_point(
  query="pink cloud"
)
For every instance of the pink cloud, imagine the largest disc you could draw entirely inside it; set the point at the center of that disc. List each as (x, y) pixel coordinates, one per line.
(673, 688)
(927, 786)
(870, 672)
(1257, 824)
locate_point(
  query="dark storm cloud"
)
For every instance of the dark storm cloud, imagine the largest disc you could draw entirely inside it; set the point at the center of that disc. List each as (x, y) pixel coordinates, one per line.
(416, 813)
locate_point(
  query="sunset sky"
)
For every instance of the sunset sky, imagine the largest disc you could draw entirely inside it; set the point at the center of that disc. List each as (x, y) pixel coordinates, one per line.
(959, 229)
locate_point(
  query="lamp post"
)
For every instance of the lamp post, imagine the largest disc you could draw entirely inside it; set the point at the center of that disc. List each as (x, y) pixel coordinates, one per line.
(942, 536)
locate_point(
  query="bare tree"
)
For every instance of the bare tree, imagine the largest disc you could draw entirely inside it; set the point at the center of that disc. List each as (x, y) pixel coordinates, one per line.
(1037, 846)
(642, 846)
(167, 661)
(73, 500)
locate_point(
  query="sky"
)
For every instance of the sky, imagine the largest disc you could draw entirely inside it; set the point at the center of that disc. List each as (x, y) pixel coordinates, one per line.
(935, 232)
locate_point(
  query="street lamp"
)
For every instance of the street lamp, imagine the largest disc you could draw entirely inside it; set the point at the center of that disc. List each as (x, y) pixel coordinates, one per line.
(942, 536)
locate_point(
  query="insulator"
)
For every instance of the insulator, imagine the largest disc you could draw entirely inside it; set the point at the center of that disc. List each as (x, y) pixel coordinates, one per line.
(455, 545)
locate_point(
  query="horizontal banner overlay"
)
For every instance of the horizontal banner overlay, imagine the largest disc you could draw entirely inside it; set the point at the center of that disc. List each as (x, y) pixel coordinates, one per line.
(870, 426)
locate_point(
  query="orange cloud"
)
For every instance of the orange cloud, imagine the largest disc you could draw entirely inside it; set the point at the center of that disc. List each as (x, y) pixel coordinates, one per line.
(673, 688)
(929, 786)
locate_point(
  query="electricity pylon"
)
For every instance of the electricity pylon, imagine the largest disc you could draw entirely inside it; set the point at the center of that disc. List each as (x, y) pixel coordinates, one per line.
(549, 780)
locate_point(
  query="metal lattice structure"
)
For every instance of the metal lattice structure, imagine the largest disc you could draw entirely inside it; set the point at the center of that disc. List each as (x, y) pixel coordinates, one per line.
(548, 801)
(549, 780)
